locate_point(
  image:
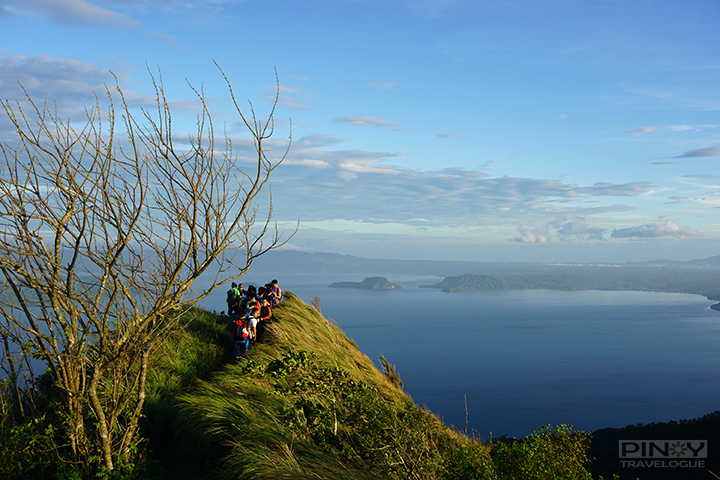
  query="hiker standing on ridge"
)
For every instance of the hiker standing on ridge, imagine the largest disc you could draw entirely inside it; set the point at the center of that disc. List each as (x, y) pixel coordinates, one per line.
(233, 297)
(277, 291)
(252, 321)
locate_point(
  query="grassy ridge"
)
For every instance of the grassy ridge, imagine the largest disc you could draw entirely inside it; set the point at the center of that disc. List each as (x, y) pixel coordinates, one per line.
(299, 405)
(307, 404)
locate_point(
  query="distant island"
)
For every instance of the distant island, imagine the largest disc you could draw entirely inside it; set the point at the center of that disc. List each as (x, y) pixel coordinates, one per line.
(699, 277)
(702, 281)
(370, 283)
(467, 282)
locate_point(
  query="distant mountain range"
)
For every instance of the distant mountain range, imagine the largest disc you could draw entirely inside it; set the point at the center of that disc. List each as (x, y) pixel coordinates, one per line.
(289, 261)
(696, 276)
(711, 262)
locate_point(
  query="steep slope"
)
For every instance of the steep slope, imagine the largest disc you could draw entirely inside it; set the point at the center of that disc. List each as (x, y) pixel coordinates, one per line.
(306, 403)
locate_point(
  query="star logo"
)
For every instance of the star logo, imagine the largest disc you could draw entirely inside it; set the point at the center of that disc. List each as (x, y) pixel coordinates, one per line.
(678, 449)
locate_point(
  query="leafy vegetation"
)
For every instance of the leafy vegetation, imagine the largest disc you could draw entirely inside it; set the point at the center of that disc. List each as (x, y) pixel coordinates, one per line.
(107, 222)
(604, 449)
(305, 403)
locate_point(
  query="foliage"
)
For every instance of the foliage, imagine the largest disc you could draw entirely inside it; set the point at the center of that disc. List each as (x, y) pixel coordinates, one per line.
(388, 369)
(606, 461)
(24, 448)
(308, 404)
(304, 404)
(470, 461)
(103, 237)
(548, 453)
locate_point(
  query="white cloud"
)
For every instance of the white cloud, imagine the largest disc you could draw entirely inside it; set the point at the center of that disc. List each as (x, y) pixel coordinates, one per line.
(318, 140)
(446, 135)
(706, 176)
(291, 98)
(350, 183)
(67, 83)
(72, 12)
(712, 151)
(577, 229)
(366, 121)
(60, 78)
(638, 132)
(526, 235)
(565, 230)
(652, 230)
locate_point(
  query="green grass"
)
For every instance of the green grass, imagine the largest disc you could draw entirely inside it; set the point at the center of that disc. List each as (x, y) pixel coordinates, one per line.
(303, 404)
(307, 404)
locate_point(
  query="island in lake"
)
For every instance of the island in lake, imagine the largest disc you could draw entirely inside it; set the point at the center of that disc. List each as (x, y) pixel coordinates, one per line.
(370, 283)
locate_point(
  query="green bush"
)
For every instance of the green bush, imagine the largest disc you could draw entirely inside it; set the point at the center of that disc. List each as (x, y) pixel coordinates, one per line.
(469, 461)
(558, 453)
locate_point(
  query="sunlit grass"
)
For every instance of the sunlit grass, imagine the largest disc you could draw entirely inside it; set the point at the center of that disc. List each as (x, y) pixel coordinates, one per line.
(303, 404)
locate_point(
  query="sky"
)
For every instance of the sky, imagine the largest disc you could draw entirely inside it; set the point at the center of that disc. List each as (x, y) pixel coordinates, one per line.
(514, 130)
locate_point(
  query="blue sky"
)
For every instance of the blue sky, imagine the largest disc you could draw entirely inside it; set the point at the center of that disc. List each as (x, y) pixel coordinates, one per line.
(555, 131)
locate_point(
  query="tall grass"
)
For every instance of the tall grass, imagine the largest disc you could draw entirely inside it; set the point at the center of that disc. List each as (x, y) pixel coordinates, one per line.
(303, 404)
(307, 404)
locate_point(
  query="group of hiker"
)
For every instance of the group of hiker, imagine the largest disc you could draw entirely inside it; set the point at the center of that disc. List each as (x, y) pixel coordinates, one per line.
(250, 310)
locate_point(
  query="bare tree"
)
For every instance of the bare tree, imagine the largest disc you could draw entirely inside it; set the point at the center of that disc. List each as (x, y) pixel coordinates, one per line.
(105, 227)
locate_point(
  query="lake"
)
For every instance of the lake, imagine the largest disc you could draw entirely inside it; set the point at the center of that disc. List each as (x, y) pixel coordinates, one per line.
(527, 358)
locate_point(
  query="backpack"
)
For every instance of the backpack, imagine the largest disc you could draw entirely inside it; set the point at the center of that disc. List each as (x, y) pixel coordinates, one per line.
(250, 304)
(241, 330)
(272, 298)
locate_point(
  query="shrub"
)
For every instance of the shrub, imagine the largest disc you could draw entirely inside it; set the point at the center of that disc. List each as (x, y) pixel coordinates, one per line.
(548, 453)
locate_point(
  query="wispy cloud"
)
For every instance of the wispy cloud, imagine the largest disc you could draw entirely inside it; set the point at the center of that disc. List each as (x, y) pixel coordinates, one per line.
(317, 140)
(706, 176)
(652, 230)
(711, 151)
(291, 97)
(446, 135)
(531, 235)
(563, 229)
(68, 83)
(577, 229)
(638, 132)
(298, 77)
(381, 85)
(350, 183)
(366, 121)
(72, 12)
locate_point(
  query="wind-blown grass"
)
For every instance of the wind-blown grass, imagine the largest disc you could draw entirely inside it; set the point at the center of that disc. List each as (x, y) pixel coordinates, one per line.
(307, 404)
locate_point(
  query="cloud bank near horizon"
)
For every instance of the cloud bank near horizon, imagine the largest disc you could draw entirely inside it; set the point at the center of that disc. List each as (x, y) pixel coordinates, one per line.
(432, 150)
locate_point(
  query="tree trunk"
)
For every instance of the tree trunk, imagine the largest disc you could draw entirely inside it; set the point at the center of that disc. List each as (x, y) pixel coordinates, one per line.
(105, 435)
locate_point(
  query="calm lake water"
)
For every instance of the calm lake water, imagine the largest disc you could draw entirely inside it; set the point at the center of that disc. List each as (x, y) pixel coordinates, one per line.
(526, 358)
